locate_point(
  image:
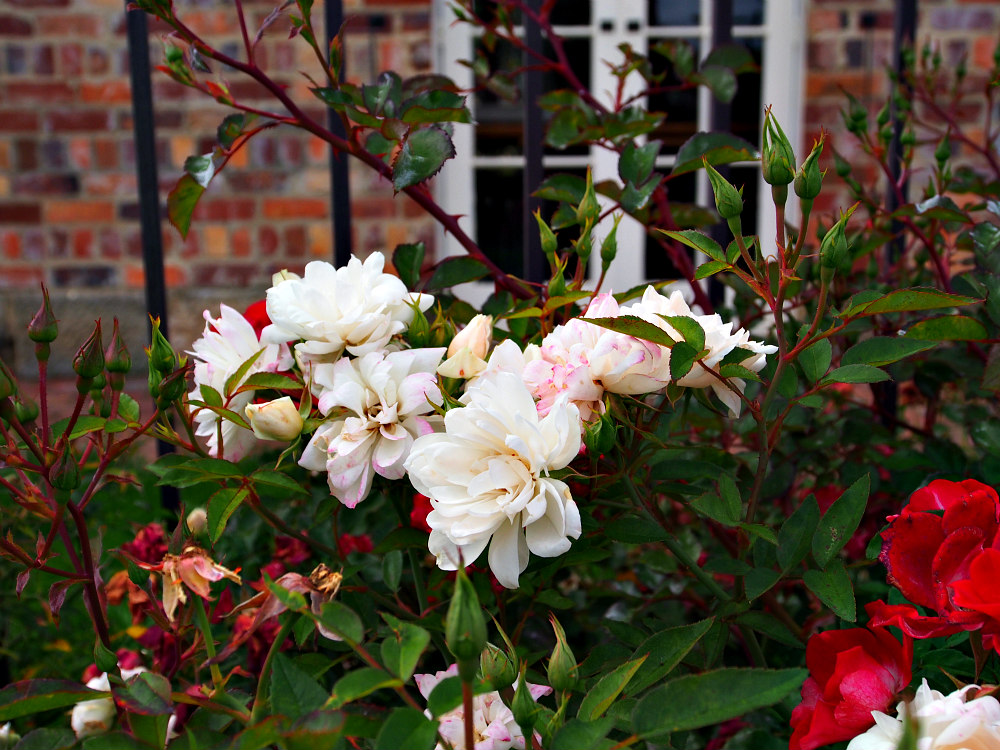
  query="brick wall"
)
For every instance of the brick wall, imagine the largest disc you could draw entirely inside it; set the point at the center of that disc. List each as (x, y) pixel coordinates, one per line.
(849, 46)
(68, 204)
(68, 199)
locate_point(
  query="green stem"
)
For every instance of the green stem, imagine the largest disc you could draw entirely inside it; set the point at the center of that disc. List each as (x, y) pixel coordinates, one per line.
(201, 621)
(263, 683)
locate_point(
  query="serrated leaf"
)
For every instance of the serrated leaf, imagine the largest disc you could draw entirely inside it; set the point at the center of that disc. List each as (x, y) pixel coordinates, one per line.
(710, 268)
(717, 508)
(689, 328)
(665, 650)
(452, 271)
(383, 97)
(359, 683)
(883, 350)
(720, 81)
(128, 407)
(221, 506)
(343, 621)
(758, 581)
(266, 481)
(600, 697)
(633, 326)
(907, 300)
(269, 380)
(739, 371)
(948, 328)
(50, 738)
(181, 202)
(237, 377)
(716, 148)
(578, 734)
(796, 533)
(407, 728)
(682, 359)
(700, 700)
(637, 162)
(815, 359)
(34, 696)
(146, 694)
(402, 649)
(408, 260)
(633, 530)
(698, 241)
(294, 692)
(840, 521)
(834, 589)
(423, 154)
(435, 106)
(856, 374)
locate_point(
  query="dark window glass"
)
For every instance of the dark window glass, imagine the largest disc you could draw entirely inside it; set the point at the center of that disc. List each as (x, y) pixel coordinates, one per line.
(499, 201)
(659, 266)
(565, 13)
(748, 12)
(679, 105)
(747, 108)
(674, 12)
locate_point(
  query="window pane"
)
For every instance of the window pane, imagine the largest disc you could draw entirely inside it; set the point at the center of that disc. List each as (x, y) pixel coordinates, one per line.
(747, 108)
(565, 13)
(499, 205)
(680, 190)
(674, 12)
(748, 12)
(680, 105)
(748, 179)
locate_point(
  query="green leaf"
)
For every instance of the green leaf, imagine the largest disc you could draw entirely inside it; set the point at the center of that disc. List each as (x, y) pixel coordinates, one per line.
(689, 328)
(948, 328)
(739, 371)
(408, 259)
(907, 300)
(452, 271)
(700, 700)
(840, 521)
(423, 154)
(267, 482)
(834, 589)
(181, 202)
(608, 688)
(796, 533)
(720, 81)
(34, 696)
(392, 569)
(435, 106)
(566, 188)
(343, 621)
(577, 734)
(698, 241)
(402, 649)
(146, 694)
(664, 651)
(85, 424)
(194, 471)
(637, 162)
(758, 581)
(447, 694)
(815, 359)
(716, 148)
(710, 268)
(760, 531)
(407, 728)
(718, 508)
(883, 350)
(771, 627)
(359, 683)
(210, 396)
(116, 740)
(237, 377)
(633, 326)
(294, 692)
(221, 506)
(383, 98)
(54, 738)
(272, 380)
(682, 359)
(856, 374)
(634, 530)
(128, 408)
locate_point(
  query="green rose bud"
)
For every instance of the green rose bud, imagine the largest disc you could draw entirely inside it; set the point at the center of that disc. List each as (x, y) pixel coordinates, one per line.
(8, 383)
(89, 360)
(523, 706)
(589, 209)
(44, 327)
(809, 180)
(728, 200)
(25, 409)
(116, 358)
(609, 247)
(562, 670)
(64, 474)
(549, 242)
(497, 667)
(777, 157)
(172, 388)
(465, 628)
(162, 357)
(419, 332)
(943, 152)
(599, 436)
(833, 249)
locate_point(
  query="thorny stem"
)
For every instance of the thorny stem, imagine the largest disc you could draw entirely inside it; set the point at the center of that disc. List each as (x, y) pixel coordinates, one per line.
(90, 571)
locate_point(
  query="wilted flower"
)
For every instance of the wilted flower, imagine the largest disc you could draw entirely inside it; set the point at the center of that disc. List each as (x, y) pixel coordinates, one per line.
(388, 399)
(720, 340)
(493, 723)
(192, 568)
(225, 345)
(943, 722)
(275, 420)
(487, 476)
(356, 307)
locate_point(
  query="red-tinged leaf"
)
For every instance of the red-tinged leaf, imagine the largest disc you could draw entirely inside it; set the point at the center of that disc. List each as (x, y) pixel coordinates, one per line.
(22, 581)
(34, 696)
(181, 203)
(146, 694)
(57, 596)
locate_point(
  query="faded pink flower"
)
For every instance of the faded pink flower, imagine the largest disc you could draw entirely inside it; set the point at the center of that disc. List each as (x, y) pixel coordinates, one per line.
(194, 569)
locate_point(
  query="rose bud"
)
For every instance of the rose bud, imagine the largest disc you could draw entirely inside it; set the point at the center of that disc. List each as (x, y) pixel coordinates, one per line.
(275, 420)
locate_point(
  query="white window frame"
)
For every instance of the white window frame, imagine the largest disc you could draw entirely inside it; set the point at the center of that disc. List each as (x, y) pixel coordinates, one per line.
(783, 60)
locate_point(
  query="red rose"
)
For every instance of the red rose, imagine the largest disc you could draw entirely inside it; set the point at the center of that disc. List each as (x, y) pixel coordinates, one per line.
(418, 516)
(256, 315)
(932, 543)
(355, 543)
(851, 673)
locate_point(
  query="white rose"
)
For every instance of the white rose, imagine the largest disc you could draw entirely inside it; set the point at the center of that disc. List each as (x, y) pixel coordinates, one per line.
(97, 715)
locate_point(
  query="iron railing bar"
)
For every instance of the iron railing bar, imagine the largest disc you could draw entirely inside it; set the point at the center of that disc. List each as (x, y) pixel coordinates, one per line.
(340, 188)
(535, 267)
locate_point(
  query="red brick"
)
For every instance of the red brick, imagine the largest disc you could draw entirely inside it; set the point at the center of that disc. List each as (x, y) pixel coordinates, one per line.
(40, 3)
(21, 276)
(79, 120)
(14, 26)
(296, 208)
(46, 184)
(20, 213)
(70, 59)
(77, 25)
(267, 239)
(72, 211)
(11, 242)
(225, 209)
(108, 92)
(240, 243)
(15, 120)
(371, 208)
(42, 93)
(966, 19)
(83, 242)
(106, 154)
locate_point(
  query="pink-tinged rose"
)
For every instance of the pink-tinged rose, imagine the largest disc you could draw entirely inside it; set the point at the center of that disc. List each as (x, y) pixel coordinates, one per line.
(851, 673)
(932, 543)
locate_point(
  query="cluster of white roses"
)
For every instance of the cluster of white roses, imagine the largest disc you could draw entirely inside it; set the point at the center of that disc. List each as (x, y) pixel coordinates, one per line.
(486, 465)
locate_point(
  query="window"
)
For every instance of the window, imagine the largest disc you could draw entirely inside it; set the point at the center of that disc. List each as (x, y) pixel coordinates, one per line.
(483, 183)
